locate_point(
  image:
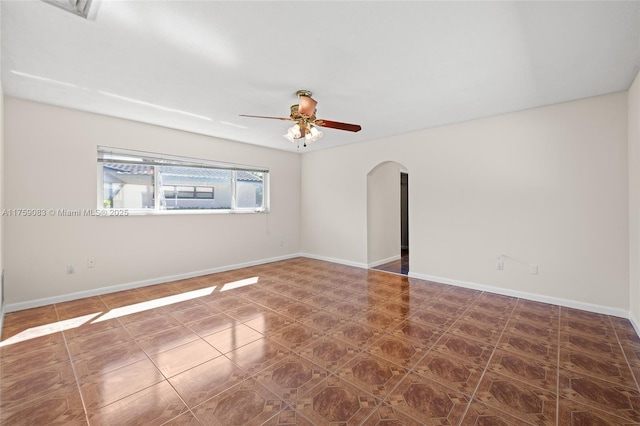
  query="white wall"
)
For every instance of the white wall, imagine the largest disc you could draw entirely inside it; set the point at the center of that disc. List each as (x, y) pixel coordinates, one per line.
(50, 163)
(633, 100)
(2, 219)
(1, 198)
(383, 213)
(546, 186)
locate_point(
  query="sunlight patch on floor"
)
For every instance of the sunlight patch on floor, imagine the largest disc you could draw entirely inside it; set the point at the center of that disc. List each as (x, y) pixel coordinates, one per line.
(155, 303)
(239, 283)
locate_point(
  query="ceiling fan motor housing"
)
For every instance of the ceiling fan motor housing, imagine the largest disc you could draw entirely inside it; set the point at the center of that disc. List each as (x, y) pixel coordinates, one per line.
(298, 115)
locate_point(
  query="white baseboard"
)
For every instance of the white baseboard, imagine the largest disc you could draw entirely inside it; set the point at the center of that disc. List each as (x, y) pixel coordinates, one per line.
(634, 323)
(503, 291)
(383, 261)
(1, 318)
(528, 296)
(333, 260)
(12, 307)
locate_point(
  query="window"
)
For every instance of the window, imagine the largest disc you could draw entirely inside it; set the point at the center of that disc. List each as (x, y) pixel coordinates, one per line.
(187, 192)
(77, 7)
(148, 183)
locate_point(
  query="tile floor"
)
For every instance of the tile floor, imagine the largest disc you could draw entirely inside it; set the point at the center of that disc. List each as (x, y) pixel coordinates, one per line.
(315, 343)
(400, 266)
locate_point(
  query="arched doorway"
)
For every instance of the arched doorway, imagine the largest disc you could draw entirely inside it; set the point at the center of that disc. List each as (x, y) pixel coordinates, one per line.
(387, 217)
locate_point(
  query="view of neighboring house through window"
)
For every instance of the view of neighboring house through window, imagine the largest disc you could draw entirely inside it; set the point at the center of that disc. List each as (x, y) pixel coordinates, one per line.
(152, 182)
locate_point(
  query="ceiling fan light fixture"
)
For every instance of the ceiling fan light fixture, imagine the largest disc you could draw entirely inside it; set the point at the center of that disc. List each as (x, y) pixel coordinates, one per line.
(293, 133)
(313, 134)
(304, 115)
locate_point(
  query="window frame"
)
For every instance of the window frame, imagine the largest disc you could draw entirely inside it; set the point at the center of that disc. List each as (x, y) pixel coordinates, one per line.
(127, 156)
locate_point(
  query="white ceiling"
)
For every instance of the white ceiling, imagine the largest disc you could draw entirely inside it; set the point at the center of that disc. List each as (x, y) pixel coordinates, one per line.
(392, 67)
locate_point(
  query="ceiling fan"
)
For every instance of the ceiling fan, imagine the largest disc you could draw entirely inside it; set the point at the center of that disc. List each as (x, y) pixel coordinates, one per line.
(304, 115)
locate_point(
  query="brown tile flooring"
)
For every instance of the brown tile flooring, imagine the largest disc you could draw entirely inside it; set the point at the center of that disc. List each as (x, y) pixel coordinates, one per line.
(400, 266)
(315, 343)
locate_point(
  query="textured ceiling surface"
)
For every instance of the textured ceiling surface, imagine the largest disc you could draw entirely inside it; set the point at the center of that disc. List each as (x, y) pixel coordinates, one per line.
(392, 67)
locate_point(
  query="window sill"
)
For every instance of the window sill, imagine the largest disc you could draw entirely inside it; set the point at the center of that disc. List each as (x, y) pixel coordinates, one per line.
(135, 212)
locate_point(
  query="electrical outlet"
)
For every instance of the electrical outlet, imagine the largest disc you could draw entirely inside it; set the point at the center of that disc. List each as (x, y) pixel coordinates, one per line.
(91, 263)
(500, 264)
(533, 269)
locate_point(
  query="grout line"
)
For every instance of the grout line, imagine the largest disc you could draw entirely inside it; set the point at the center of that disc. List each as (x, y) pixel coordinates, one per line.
(386, 332)
(165, 379)
(185, 404)
(73, 368)
(633, 374)
(438, 340)
(365, 351)
(495, 347)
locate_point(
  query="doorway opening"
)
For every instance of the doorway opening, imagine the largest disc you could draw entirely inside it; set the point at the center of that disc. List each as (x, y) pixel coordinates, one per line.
(388, 218)
(404, 222)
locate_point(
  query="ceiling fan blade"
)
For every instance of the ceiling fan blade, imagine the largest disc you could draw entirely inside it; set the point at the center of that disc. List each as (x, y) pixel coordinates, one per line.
(337, 125)
(307, 106)
(272, 118)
